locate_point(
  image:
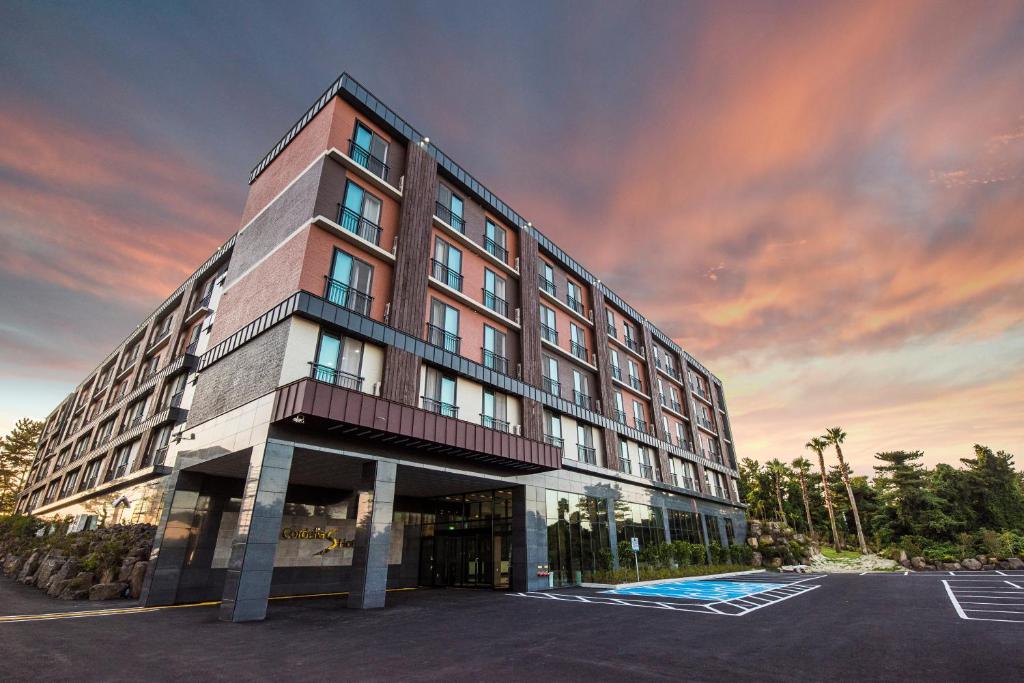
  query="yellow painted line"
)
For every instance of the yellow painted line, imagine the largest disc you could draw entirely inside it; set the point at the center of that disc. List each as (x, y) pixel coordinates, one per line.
(20, 618)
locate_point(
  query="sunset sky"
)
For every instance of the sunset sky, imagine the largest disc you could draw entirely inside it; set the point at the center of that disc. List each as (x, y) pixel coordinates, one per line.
(823, 203)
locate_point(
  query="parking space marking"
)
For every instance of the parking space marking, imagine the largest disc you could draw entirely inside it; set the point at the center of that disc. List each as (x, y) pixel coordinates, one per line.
(986, 600)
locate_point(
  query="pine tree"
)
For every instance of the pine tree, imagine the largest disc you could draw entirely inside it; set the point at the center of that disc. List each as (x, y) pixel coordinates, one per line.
(17, 450)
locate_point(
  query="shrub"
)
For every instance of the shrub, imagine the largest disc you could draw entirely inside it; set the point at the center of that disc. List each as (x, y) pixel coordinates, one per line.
(942, 552)
(741, 553)
(1011, 544)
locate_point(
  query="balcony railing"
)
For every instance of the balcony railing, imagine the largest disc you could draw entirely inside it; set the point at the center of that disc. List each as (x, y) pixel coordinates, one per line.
(699, 390)
(556, 441)
(496, 250)
(705, 423)
(323, 373)
(633, 345)
(587, 454)
(346, 296)
(682, 482)
(133, 421)
(574, 304)
(493, 423)
(582, 400)
(362, 156)
(552, 386)
(449, 217)
(672, 372)
(157, 456)
(620, 415)
(438, 336)
(549, 333)
(439, 407)
(446, 275)
(635, 382)
(493, 361)
(640, 424)
(495, 303)
(547, 285)
(676, 406)
(359, 225)
(613, 332)
(578, 350)
(646, 471)
(617, 372)
(625, 465)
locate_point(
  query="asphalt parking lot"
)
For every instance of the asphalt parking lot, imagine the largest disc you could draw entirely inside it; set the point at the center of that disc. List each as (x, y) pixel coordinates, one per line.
(838, 627)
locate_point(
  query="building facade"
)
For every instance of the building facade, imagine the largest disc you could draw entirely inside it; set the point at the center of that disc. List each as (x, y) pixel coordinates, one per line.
(387, 378)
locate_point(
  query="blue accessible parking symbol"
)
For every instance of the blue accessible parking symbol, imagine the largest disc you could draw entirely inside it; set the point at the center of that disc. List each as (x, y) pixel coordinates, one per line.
(698, 590)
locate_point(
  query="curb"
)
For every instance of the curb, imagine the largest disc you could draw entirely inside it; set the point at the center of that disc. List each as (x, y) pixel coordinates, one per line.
(655, 582)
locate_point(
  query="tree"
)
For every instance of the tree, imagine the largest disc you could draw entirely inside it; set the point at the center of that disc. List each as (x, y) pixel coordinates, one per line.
(802, 466)
(17, 450)
(993, 489)
(818, 445)
(778, 472)
(836, 436)
(754, 487)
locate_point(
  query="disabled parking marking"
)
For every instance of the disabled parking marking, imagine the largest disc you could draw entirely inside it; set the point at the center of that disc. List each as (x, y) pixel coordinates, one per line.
(1001, 601)
(700, 590)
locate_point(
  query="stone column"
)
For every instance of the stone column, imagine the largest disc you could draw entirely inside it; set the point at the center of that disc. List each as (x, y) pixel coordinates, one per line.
(170, 545)
(529, 538)
(375, 511)
(251, 566)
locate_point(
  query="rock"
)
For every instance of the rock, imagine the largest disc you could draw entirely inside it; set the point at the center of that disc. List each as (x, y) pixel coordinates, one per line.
(765, 539)
(138, 575)
(68, 570)
(971, 564)
(76, 588)
(905, 563)
(752, 541)
(1015, 563)
(754, 528)
(776, 562)
(30, 567)
(991, 560)
(981, 559)
(951, 566)
(756, 559)
(47, 567)
(107, 591)
(12, 564)
(126, 568)
(109, 575)
(800, 538)
(988, 567)
(903, 558)
(918, 563)
(1003, 564)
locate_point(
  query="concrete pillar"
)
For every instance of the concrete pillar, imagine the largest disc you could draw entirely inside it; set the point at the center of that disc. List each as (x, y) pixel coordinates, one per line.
(167, 559)
(529, 538)
(251, 566)
(374, 515)
(613, 532)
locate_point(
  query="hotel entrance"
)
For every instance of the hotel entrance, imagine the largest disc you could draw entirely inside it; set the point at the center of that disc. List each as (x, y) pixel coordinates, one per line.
(466, 542)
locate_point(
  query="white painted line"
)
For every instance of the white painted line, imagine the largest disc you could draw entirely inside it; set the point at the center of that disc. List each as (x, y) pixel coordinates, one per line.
(1015, 585)
(905, 573)
(1000, 604)
(952, 574)
(952, 599)
(997, 611)
(1000, 573)
(753, 609)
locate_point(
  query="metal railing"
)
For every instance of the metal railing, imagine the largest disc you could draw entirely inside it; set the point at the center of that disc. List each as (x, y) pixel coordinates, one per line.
(374, 165)
(493, 423)
(646, 471)
(202, 302)
(446, 275)
(448, 216)
(582, 400)
(556, 441)
(346, 296)
(549, 333)
(495, 303)
(635, 382)
(496, 250)
(613, 332)
(547, 285)
(633, 345)
(705, 423)
(699, 390)
(552, 386)
(625, 465)
(329, 375)
(641, 424)
(587, 454)
(578, 350)
(493, 361)
(439, 407)
(676, 406)
(620, 416)
(617, 372)
(438, 336)
(683, 482)
(574, 304)
(359, 225)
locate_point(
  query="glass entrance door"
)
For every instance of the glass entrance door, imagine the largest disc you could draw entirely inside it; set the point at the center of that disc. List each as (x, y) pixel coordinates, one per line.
(463, 558)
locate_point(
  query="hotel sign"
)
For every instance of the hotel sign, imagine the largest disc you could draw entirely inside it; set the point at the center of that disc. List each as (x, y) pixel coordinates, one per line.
(317, 534)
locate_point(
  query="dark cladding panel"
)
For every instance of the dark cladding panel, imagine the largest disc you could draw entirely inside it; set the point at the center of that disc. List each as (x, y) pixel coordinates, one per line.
(419, 194)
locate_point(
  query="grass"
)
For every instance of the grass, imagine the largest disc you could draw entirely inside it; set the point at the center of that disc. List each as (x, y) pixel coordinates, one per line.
(628, 575)
(832, 554)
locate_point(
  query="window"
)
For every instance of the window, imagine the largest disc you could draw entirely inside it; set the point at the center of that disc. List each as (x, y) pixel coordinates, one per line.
(665, 429)
(443, 328)
(578, 537)
(91, 474)
(547, 278)
(494, 350)
(80, 447)
(620, 409)
(634, 376)
(119, 464)
(585, 444)
(610, 317)
(339, 361)
(553, 429)
(68, 486)
(150, 368)
(173, 391)
(51, 492)
(684, 525)
(447, 264)
(192, 340)
(370, 151)
(674, 399)
(681, 436)
(439, 393)
(495, 411)
(134, 415)
(548, 330)
(646, 470)
(360, 213)
(549, 369)
(574, 297)
(450, 208)
(581, 389)
(157, 451)
(625, 463)
(628, 338)
(162, 327)
(349, 283)
(495, 241)
(577, 342)
(639, 418)
(494, 293)
(104, 432)
(613, 356)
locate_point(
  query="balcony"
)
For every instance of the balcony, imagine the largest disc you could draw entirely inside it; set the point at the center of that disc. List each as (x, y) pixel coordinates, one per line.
(496, 250)
(446, 275)
(583, 400)
(200, 303)
(575, 304)
(449, 217)
(635, 382)
(556, 441)
(495, 303)
(494, 423)
(359, 225)
(440, 337)
(613, 332)
(617, 372)
(625, 465)
(493, 361)
(684, 482)
(676, 406)
(699, 391)
(633, 345)
(641, 424)
(706, 423)
(439, 407)
(646, 471)
(547, 285)
(133, 421)
(586, 454)
(620, 416)
(672, 372)
(155, 457)
(552, 386)
(549, 333)
(578, 350)
(362, 156)
(346, 296)
(323, 373)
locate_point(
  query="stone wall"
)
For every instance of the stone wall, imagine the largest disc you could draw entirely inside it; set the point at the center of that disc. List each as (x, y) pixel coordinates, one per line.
(776, 544)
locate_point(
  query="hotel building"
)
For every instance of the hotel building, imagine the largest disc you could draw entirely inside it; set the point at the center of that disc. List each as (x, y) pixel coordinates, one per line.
(387, 377)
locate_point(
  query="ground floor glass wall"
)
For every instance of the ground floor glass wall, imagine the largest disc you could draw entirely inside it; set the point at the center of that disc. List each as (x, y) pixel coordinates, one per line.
(578, 537)
(684, 525)
(465, 540)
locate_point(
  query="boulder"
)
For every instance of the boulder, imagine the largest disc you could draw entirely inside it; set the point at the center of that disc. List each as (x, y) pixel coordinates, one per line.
(776, 562)
(125, 572)
(752, 541)
(138, 575)
(1015, 563)
(76, 588)
(12, 564)
(981, 558)
(107, 591)
(971, 564)
(918, 563)
(766, 539)
(905, 563)
(756, 559)
(109, 575)
(754, 528)
(68, 570)
(951, 566)
(800, 538)
(47, 567)
(903, 558)
(30, 567)
(1002, 564)
(988, 567)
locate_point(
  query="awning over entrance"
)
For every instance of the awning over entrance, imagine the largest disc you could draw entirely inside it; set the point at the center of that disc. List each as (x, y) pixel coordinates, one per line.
(354, 413)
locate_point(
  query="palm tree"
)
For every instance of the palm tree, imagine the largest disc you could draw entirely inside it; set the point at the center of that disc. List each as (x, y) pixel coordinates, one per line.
(818, 445)
(777, 470)
(836, 436)
(802, 466)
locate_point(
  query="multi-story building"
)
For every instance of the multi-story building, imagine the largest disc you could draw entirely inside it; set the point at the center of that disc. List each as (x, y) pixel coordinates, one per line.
(388, 377)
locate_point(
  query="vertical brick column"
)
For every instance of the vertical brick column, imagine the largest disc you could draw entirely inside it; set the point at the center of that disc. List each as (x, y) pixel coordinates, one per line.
(656, 411)
(412, 264)
(691, 412)
(604, 376)
(251, 565)
(529, 337)
(374, 516)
